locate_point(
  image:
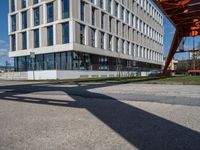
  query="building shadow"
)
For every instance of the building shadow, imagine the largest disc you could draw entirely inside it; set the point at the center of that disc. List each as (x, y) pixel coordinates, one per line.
(142, 129)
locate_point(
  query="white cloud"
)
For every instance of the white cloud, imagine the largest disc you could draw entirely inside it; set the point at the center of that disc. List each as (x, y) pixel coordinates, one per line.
(2, 42)
(3, 53)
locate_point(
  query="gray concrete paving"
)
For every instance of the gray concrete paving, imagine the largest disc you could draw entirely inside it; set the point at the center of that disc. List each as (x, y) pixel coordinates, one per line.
(99, 116)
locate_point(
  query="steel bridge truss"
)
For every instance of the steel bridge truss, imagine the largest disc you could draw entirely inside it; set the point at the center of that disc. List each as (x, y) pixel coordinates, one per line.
(185, 16)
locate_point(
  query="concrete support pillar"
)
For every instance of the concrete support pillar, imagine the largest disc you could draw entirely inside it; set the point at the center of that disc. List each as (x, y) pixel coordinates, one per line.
(17, 40)
(54, 34)
(20, 21)
(27, 35)
(72, 31)
(114, 44)
(59, 10)
(31, 17)
(40, 37)
(86, 35)
(58, 35)
(44, 13)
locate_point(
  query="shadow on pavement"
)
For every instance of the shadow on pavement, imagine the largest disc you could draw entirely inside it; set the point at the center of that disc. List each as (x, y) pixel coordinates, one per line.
(142, 129)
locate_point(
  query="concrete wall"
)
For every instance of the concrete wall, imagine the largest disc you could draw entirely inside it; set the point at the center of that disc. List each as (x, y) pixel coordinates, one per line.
(54, 74)
(14, 76)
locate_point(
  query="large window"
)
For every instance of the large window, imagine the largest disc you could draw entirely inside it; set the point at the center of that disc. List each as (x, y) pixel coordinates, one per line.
(24, 40)
(23, 3)
(36, 16)
(12, 5)
(13, 42)
(63, 59)
(36, 38)
(93, 16)
(50, 16)
(102, 20)
(103, 63)
(82, 34)
(82, 10)
(65, 9)
(49, 62)
(65, 33)
(110, 42)
(39, 62)
(35, 1)
(109, 6)
(78, 61)
(101, 3)
(24, 20)
(13, 20)
(92, 37)
(102, 40)
(50, 35)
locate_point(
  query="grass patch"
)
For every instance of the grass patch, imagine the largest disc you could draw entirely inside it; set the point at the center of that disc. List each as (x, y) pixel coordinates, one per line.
(184, 80)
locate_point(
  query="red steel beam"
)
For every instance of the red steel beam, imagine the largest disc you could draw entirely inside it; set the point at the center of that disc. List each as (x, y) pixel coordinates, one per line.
(175, 43)
(185, 16)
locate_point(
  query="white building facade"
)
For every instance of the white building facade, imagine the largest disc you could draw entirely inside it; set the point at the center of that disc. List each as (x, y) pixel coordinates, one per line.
(85, 35)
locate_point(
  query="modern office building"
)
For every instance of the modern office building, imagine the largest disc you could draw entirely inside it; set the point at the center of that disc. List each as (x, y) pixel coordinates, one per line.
(85, 36)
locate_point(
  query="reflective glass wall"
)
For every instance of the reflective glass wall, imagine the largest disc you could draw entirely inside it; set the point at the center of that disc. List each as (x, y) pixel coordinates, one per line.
(72, 60)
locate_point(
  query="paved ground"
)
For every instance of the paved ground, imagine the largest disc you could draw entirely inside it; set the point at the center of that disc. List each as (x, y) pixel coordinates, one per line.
(99, 116)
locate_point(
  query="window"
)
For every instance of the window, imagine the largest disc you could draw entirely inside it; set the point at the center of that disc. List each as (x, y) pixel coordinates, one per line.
(103, 63)
(122, 13)
(109, 6)
(49, 62)
(23, 3)
(36, 16)
(110, 42)
(92, 37)
(117, 44)
(110, 24)
(13, 42)
(13, 20)
(82, 11)
(36, 38)
(49, 35)
(12, 5)
(65, 33)
(24, 20)
(102, 20)
(24, 40)
(65, 9)
(116, 9)
(101, 3)
(102, 40)
(123, 29)
(93, 16)
(123, 43)
(82, 34)
(35, 1)
(118, 26)
(39, 62)
(50, 16)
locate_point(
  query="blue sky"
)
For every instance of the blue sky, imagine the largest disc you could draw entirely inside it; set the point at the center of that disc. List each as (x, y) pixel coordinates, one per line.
(4, 40)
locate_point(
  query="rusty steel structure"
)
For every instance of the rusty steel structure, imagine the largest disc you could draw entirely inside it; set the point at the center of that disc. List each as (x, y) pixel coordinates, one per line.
(185, 16)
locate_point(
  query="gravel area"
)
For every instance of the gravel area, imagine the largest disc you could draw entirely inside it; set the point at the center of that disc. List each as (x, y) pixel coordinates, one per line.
(99, 116)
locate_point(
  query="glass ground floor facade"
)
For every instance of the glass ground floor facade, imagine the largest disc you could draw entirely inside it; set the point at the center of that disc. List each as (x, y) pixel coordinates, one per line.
(72, 60)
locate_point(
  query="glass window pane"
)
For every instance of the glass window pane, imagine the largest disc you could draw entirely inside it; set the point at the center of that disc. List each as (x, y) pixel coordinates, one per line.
(65, 33)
